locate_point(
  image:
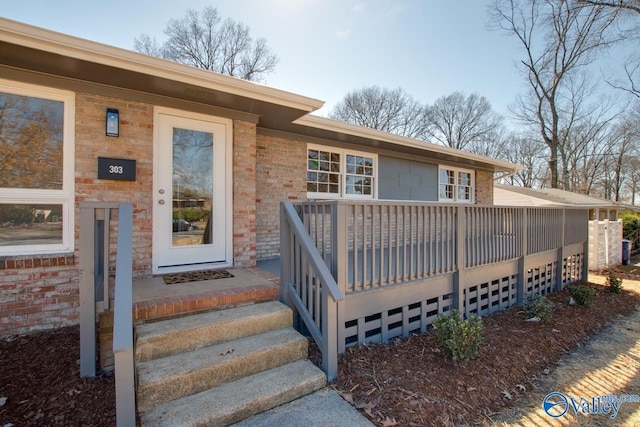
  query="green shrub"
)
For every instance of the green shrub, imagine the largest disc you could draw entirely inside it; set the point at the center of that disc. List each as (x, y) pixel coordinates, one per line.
(538, 306)
(614, 284)
(460, 338)
(582, 294)
(630, 226)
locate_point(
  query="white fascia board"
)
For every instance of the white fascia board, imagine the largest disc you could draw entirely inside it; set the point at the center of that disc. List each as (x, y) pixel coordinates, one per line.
(41, 39)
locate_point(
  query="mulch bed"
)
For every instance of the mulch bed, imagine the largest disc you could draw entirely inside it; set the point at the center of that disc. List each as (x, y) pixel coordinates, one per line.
(412, 383)
(40, 378)
(409, 382)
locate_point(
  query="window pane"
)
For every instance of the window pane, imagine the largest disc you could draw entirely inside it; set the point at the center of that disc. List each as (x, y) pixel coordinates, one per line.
(464, 193)
(447, 176)
(30, 224)
(446, 191)
(464, 178)
(31, 142)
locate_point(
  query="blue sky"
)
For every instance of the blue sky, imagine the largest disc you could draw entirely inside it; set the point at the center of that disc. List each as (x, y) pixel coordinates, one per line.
(326, 48)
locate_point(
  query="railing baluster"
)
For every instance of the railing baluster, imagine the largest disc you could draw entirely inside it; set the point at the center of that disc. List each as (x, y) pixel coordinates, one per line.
(374, 243)
(389, 244)
(365, 252)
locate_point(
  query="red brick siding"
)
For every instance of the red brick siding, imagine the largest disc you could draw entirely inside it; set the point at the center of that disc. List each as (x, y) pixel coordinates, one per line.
(41, 291)
(280, 175)
(244, 194)
(484, 187)
(37, 293)
(135, 142)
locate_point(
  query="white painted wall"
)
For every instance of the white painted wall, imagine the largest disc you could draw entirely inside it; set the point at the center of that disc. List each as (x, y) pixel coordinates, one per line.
(605, 244)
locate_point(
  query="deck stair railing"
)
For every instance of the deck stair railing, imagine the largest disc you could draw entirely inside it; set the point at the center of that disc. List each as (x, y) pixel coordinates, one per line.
(95, 252)
(307, 285)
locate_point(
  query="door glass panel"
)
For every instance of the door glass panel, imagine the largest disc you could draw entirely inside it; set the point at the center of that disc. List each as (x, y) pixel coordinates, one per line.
(192, 187)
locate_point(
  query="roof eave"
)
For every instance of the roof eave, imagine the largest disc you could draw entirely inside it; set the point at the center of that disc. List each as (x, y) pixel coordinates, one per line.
(81, 49)
(347, 129)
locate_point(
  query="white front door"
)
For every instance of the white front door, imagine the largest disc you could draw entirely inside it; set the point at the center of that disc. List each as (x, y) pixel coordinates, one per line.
(191, 215)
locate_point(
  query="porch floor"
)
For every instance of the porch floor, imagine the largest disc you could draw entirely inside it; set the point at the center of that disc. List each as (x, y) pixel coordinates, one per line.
(154, 299)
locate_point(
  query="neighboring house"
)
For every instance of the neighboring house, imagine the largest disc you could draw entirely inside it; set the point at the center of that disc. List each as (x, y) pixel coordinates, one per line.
(83, 122)
(605, 229)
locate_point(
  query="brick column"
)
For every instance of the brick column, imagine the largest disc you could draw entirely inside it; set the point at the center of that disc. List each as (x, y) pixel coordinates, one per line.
(244, 194)
(484, 187)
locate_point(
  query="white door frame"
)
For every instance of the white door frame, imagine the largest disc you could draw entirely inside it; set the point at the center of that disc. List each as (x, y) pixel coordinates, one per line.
(228, 196)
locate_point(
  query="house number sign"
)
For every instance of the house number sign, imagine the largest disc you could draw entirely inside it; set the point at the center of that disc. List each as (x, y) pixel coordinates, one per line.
(118, 169)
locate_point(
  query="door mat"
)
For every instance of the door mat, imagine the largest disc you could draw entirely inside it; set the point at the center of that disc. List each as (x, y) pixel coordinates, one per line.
(195, 276)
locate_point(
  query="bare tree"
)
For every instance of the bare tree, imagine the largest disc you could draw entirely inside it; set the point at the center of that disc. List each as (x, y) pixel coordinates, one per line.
(393, 111)
(529, 152)
(458, 121)
(633, 181)
(203, 40)
(631, 5)
(560, 38)
(629, 81)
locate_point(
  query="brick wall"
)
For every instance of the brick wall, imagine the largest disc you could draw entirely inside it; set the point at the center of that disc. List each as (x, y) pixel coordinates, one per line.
(40, 292)
(37, 293)
(281, 175)
(135, 142)
(484, 187)
(244, 194)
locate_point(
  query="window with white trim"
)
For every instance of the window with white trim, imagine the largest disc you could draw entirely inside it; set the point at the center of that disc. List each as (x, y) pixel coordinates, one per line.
(337, 173)
(36, 169)
(455, 185)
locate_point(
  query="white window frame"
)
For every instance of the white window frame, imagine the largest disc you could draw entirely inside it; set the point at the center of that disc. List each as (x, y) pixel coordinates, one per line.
(63, 196)
(456, 184)
(343, 173)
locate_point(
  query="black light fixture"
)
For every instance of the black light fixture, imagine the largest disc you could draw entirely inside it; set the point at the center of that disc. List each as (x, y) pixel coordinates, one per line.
(113, 122)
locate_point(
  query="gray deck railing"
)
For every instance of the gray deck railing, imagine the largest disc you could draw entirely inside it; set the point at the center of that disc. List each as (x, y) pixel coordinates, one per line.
(93, 217)
(401, 264)
(309, 287)
(123, 321)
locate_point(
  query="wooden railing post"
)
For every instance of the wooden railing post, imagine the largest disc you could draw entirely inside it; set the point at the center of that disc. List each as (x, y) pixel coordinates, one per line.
(458, 277)
(329, 335)
(87, 294)
(522, 261)
(340, 263)
(561, 253)
(123, 321)
(286, 252)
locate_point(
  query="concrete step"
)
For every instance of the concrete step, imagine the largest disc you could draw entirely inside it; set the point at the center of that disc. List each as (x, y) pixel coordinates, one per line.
(174, 336)
(165, 379)
(237, 400)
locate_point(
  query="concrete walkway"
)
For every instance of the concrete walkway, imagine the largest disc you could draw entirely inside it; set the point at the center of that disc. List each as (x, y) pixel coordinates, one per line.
(324, 408)
(608, 364)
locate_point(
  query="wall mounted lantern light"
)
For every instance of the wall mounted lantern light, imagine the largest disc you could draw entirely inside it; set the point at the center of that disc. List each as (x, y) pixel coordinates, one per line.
(113, 122)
